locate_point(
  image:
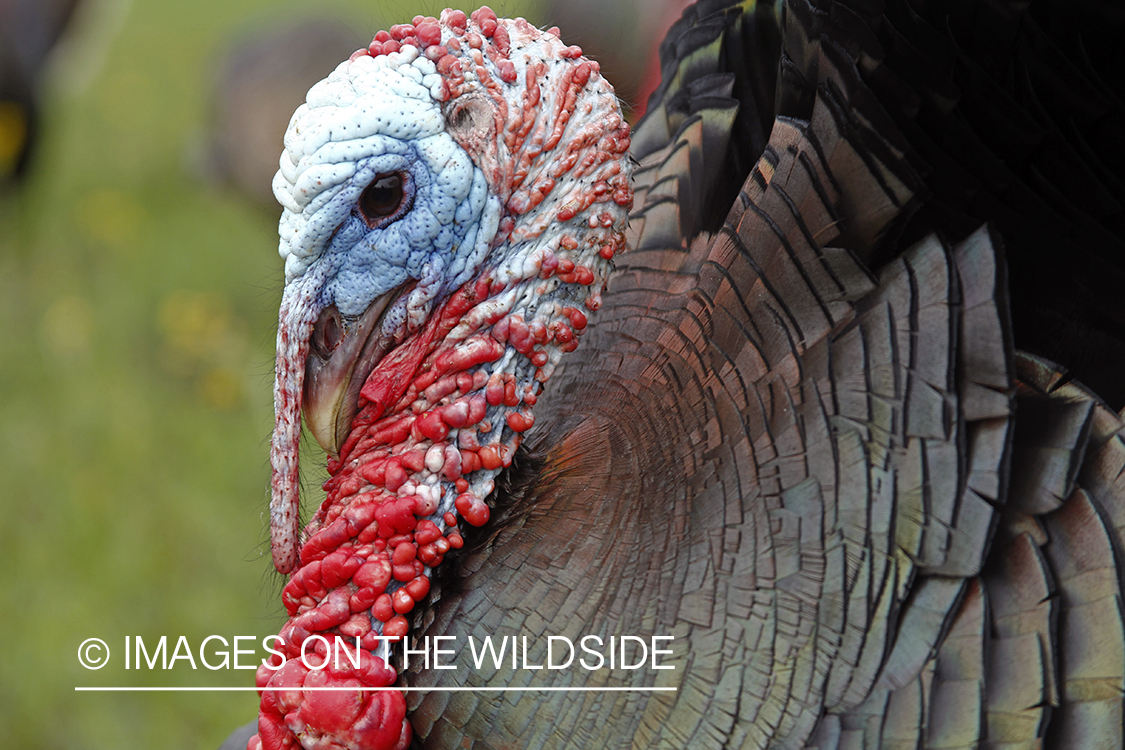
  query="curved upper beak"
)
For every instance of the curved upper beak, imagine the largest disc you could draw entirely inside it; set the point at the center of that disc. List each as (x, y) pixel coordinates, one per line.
(343, 351)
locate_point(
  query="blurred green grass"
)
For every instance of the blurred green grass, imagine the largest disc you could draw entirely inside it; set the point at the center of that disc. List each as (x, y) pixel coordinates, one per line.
(137, 304)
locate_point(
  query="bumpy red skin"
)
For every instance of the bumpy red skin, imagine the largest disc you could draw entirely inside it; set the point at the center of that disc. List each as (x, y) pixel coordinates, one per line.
(372, 528)
(366, 534)
(332, 719)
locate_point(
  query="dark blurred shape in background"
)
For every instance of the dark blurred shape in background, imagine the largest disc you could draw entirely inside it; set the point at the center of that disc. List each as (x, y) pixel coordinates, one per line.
(622, 36)
(29, 30)
(267, 72)
(261, 80)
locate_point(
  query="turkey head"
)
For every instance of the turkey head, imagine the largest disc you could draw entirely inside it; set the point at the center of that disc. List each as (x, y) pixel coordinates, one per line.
(452, 198)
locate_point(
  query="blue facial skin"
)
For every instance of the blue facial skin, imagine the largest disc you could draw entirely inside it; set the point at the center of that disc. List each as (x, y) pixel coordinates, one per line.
(436, 239)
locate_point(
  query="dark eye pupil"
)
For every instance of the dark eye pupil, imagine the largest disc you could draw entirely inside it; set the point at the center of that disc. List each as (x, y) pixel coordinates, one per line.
(381, 198)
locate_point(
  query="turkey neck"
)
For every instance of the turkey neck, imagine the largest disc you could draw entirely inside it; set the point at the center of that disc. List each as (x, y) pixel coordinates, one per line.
(440, 416)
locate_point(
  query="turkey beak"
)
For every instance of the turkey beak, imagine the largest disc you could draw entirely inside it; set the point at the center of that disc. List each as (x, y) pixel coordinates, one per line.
(343, 351)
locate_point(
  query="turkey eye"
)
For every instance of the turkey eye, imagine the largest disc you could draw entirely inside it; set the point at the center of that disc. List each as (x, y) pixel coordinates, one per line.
(382, 199)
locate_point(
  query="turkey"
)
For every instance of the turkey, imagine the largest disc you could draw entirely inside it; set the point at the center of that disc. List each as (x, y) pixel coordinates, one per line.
(767, 383)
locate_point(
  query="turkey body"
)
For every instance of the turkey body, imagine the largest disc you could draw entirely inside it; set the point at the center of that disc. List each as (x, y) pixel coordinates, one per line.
(816, 432)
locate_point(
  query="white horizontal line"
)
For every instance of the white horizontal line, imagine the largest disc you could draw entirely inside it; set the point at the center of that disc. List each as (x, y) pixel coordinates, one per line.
(378, 689)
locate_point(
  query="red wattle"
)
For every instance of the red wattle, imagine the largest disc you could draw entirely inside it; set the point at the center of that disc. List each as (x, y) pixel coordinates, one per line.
(338, 719)
(393, 375)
